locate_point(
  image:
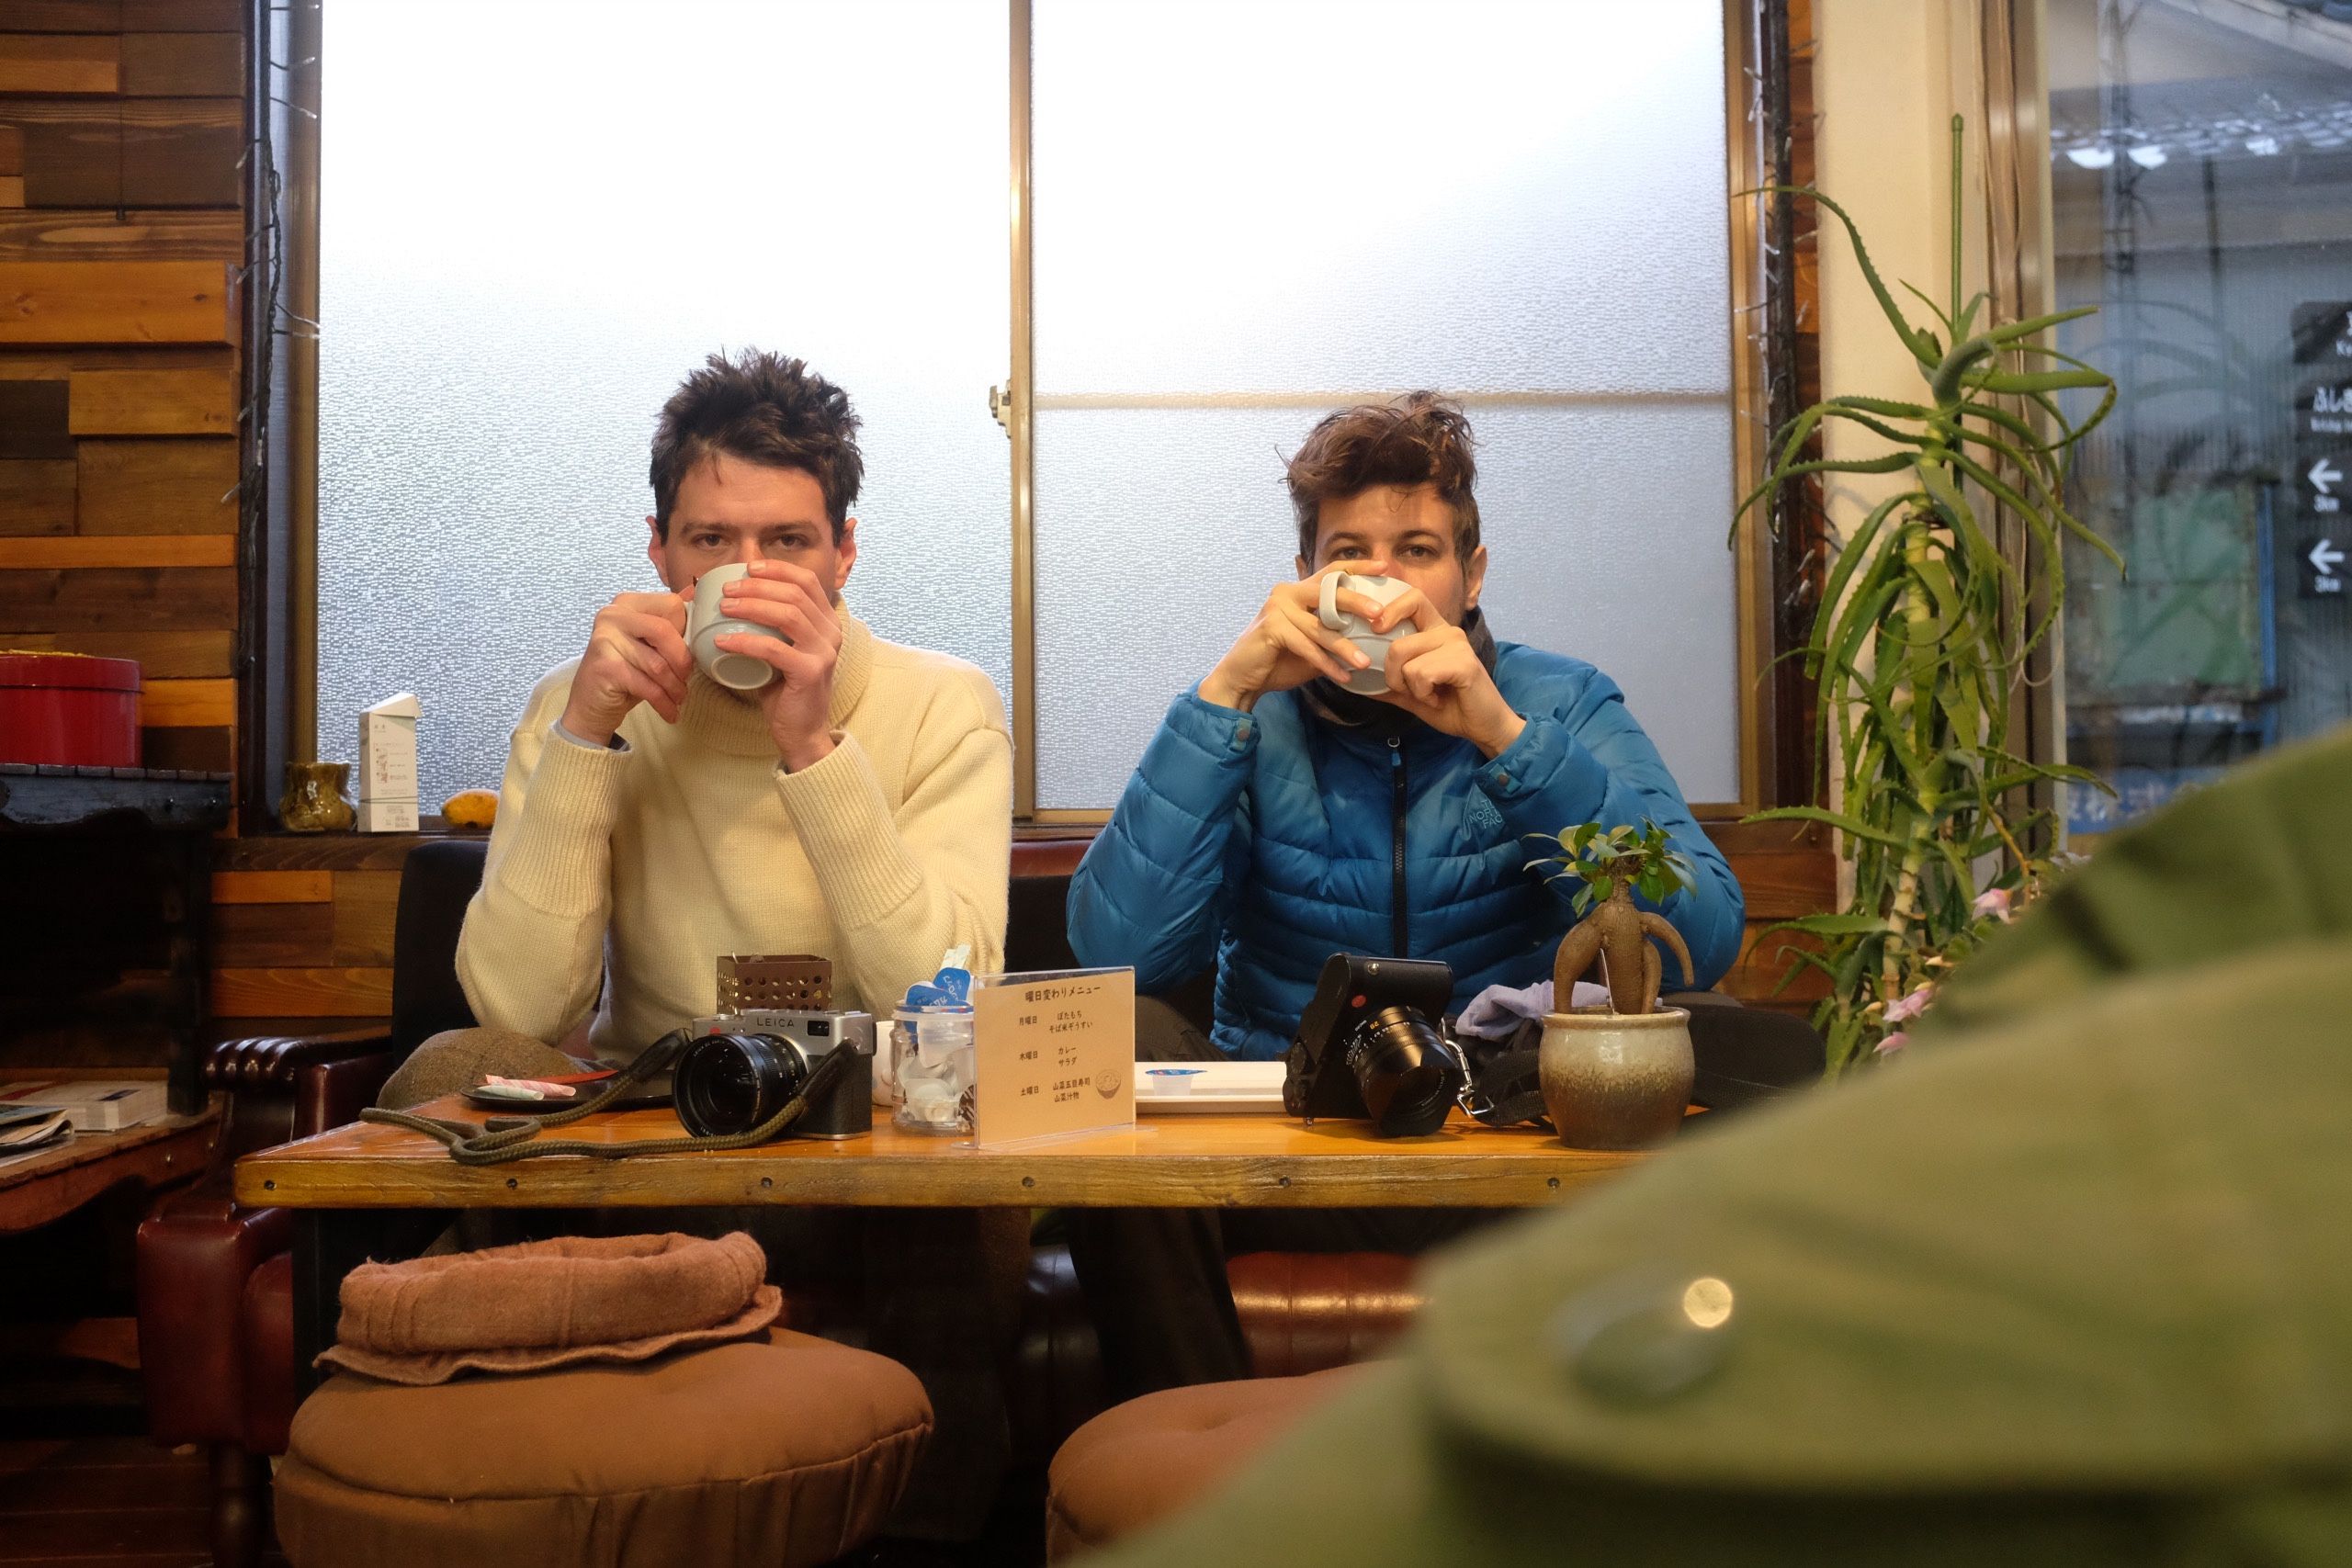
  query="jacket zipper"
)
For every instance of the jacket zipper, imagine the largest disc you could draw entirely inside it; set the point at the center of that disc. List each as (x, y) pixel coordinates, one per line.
(1396, 859)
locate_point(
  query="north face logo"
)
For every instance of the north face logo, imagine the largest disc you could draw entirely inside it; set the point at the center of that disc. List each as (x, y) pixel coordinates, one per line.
(1484, 820)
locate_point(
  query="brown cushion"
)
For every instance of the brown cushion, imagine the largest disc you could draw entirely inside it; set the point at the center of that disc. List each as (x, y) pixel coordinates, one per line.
(788, 1450)
(1142, 1461)
(539, 1304)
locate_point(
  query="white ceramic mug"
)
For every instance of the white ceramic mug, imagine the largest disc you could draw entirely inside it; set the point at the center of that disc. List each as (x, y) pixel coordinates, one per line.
(705, 625)
(1373, 678)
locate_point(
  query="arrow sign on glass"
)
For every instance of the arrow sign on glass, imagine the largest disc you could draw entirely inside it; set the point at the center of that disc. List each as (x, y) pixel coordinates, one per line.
(2318, 569)
(2324, 476)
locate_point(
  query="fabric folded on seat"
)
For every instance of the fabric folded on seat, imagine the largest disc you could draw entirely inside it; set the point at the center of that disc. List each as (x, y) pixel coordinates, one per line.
(550, 1303)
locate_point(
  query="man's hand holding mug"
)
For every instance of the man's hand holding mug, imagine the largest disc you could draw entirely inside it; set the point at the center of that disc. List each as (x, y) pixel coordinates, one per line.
(637, 653)
(798, 637)
(1288, 645)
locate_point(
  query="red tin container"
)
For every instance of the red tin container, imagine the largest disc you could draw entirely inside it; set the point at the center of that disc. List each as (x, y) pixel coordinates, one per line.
(66, 708)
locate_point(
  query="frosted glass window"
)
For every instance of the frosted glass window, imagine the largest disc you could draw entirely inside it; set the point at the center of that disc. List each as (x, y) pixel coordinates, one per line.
(1250, 213)
(535, 218)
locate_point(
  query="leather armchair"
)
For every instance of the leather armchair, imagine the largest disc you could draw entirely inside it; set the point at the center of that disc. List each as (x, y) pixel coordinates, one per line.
(216, 1319)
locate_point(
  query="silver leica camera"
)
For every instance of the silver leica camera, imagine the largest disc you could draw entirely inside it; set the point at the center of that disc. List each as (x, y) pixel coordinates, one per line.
(743, 1067)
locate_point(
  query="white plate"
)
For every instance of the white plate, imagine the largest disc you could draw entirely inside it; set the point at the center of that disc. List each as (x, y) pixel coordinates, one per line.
(1218, 1089)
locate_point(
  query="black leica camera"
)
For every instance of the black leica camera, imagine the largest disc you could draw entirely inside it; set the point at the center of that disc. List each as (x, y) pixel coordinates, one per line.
(741, 1068)
(1371, 1047)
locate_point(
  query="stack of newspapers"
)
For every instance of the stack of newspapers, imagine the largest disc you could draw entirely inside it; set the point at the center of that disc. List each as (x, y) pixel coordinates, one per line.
(27, 1130)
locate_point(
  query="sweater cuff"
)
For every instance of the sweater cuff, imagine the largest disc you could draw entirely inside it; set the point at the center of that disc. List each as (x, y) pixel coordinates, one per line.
(851, 840)
(560, 859)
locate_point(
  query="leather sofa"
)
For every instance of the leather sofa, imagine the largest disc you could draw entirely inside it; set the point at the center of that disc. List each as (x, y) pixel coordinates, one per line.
(216, 1278)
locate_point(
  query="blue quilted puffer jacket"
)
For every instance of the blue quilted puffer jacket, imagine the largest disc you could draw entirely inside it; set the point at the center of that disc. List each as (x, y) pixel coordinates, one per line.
(1268, 841)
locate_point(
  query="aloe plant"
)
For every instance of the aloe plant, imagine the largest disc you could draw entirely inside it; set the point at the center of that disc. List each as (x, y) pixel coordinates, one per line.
(1923, 631)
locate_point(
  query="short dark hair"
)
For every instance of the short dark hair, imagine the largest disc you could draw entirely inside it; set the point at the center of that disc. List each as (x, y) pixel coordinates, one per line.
(1420, 438)
(762, 408)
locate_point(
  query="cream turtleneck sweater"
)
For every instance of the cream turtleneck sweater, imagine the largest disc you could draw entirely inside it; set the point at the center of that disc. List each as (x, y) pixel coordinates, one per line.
(627, 873)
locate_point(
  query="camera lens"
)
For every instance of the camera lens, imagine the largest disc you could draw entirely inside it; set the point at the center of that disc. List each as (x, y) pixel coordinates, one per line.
(1406, 1071)
(726, 1083)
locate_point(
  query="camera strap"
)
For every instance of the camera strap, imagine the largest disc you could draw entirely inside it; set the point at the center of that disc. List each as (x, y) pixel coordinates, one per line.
(1504, 1087)
(504, 1139)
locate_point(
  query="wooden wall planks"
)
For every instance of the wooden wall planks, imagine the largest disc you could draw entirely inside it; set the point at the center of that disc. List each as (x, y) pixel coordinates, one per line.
(60, 62)
(127, 549)
(184, 486)
(74, 234)
(183, 64)
(115, 301)
(152, 402)
(120, 152)
(162, 655)
(37, 495)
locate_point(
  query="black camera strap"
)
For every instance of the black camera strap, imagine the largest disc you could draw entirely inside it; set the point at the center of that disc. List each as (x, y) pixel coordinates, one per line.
(504, 1139)
(1504, 1085)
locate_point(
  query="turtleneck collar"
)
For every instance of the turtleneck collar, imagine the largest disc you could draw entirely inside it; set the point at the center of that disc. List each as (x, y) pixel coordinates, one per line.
(731, 721)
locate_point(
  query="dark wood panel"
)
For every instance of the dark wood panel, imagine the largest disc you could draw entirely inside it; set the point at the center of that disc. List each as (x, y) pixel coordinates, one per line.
(312, 992)
(366, 903)
(35, 421)
(161, 655)
(12, 155)
(39, 234)
(265, 936)
(318, 851)
(199, 750)
(215, 1030)
(125, 599)
(129, 151)
(182, 15)
(60, 16)
(60, 62)
(61, 362)
(36, 496)
(183, 64)
(178, 486)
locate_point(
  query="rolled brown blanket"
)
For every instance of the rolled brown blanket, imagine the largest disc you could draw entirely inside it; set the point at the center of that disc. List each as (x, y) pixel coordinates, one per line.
(550, 1303)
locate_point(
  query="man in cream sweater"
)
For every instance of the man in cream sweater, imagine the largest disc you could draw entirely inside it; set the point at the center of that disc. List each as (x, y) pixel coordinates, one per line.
(859, 806)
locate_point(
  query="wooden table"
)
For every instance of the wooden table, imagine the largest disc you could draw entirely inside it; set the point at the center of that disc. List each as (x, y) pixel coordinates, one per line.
(347, 1185)
(58, 1180)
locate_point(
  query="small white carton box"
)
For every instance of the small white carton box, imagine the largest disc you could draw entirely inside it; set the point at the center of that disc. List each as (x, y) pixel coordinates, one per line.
(386, 816)
(388, 751)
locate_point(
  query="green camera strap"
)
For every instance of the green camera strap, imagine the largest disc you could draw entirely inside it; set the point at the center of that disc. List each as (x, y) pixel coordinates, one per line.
(504, 1139)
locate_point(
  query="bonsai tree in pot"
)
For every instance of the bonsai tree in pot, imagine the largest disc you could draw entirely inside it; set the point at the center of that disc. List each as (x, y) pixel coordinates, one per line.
(1617, 1077)
(1614, 863)
(1923, 631)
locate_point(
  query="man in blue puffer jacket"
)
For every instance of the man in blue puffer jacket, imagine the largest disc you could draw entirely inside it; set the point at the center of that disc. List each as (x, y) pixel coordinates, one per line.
(1277, 818)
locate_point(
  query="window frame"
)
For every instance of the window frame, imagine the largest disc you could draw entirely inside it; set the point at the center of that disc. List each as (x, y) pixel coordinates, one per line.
(280, 717)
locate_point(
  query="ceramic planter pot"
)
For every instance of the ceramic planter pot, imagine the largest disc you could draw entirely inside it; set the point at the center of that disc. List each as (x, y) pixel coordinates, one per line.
(1616, 1080)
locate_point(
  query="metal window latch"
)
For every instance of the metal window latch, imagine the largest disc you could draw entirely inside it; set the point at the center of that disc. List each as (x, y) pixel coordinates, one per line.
(1000, 405)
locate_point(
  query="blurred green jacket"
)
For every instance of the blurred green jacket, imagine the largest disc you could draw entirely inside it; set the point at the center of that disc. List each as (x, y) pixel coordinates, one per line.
(2073, 1288)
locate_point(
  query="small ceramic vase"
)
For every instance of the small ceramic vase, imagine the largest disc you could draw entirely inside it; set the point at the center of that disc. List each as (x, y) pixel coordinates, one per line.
(313, 801)
(1615, 1080)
